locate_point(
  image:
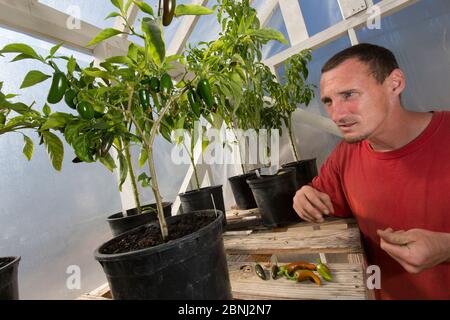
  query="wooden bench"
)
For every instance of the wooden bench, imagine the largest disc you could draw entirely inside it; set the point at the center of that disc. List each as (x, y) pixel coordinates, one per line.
(247, 242)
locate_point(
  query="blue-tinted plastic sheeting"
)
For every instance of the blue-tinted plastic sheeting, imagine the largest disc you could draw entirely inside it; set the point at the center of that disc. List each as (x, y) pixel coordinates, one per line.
(93, 12)
(319, 15)
(276, 22)
(419, 37)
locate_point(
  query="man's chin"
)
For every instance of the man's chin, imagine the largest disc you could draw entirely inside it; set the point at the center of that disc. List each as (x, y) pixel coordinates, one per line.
(354, 139)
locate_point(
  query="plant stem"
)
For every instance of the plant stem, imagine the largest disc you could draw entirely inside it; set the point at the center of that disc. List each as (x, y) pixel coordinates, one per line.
(291, 138)
(191, 156)
(239, 151)
(132, 178)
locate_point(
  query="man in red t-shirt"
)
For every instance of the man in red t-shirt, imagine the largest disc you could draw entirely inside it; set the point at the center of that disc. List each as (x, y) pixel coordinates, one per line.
(392, 174)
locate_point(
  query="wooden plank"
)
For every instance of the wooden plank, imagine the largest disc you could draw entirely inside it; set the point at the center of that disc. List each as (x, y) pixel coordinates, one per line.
(361, 259)
(348, 283)
(306, 241)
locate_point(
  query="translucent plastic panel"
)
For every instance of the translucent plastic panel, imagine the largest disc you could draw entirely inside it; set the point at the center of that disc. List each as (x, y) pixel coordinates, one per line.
(206, 29)
(319, 57)
(418, 36)
(319, 15)
(93, 12)
(276, 22)
(54, 220)
(170, 175)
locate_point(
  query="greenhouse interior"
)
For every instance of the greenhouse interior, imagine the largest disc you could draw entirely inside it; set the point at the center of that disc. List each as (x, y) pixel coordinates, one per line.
(224, 149)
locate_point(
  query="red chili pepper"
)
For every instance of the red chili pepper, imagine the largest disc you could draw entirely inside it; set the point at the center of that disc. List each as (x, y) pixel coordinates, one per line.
(299, 265)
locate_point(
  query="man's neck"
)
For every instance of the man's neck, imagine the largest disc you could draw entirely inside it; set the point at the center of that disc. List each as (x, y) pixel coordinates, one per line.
(399, 129)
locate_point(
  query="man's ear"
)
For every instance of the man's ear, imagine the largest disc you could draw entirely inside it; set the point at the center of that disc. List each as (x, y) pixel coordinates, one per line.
(397, 81)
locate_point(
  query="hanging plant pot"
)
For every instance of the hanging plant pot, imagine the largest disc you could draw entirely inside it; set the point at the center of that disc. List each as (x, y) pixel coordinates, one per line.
(120, 224)
(9, 289)
(274, 196)
(305, 171)
(192, 265)
(242, 193)
(201, 200)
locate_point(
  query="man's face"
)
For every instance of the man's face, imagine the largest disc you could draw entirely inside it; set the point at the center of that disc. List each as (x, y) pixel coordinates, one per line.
(354, 100)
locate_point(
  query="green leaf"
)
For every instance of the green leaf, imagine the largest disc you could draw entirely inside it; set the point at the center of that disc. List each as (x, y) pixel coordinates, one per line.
(143, 157)
(46, 110)
(191, 9)
(22, 56)
(81, 147)
(144, 7)
(28, 147)
(112, 15)
(55, 149)
(154, 40)
(71, 65)
(144, 180)
(20, 48)
(133, 52)
(95, 72)
(118, 4)
(123, 166)
(71, 131)
(127, 5)
(120, 60)
(268, 34)
(33, 77)
(108, 162)
(103, 35)
(18, 107)
(55, 48)
(57, 120)
(10, 96)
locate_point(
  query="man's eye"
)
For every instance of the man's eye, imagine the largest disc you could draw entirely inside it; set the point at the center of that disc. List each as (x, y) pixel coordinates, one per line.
(348, 94)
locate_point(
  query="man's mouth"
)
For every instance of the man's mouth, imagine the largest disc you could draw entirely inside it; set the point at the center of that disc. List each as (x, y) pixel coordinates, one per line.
(346, 126)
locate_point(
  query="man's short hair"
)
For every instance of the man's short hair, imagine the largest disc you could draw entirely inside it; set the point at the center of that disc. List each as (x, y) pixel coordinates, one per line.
(380, 60)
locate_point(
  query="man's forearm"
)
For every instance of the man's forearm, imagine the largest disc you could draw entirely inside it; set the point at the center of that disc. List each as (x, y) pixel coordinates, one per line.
(446, 237)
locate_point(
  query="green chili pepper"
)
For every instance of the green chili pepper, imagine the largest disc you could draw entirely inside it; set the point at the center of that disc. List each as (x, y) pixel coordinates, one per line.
(194, 102)
(260, 271)
(85, 110)
(204, 91)
(154, 84)
(166, 84)
(324, 271)
(2, 118)
(144, 98)
(58, 88)
(69, 98)
(168, 11)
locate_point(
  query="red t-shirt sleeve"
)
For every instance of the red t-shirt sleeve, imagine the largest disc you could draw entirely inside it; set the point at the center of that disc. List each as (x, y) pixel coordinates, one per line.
(329, 181)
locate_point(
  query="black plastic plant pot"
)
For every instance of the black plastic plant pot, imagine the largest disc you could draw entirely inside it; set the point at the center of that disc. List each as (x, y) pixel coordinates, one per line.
(201, 200)
(120, 224)
(306, 170)
(242, 193)
(274, 196)
(9, 267)
(191, 267)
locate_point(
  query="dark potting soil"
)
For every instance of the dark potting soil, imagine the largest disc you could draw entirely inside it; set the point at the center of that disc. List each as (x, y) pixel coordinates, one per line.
(151, 235)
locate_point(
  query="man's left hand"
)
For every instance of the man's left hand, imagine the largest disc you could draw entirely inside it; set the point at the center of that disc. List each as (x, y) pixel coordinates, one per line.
(416, 249)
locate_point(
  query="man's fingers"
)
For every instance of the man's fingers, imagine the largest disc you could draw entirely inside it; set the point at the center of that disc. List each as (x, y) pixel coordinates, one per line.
(326, 200)
(396, 238)
(400, 252)
(315, 198)
(392, 251)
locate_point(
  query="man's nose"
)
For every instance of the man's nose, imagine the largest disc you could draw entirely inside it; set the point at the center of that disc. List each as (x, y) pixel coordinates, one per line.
(337, 111)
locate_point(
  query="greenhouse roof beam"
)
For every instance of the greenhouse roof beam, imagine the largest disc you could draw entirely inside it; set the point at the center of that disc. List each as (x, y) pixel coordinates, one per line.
(32, 17)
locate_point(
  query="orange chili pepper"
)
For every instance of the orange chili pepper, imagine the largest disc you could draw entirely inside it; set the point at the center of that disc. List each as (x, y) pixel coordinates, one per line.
(302, 275)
